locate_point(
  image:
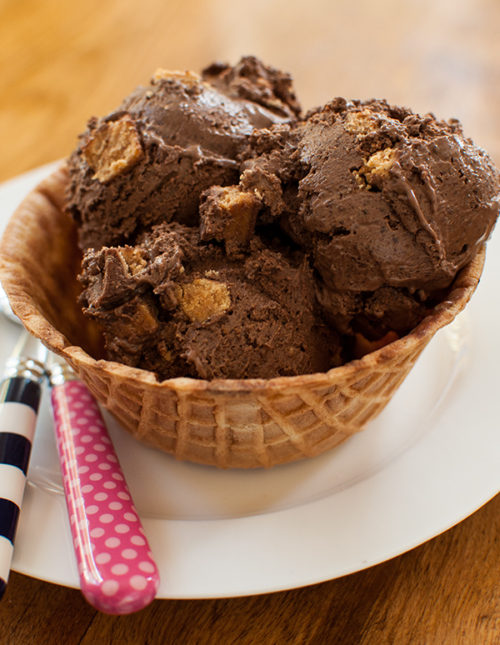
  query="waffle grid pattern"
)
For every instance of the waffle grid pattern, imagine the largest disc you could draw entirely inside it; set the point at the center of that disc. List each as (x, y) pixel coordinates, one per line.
(254, 428)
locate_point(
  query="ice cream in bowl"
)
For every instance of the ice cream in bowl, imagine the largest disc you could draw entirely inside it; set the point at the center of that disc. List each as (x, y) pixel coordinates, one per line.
(241, 284)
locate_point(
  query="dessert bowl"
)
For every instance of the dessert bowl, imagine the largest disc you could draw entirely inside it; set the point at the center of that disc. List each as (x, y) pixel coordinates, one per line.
(227, 423)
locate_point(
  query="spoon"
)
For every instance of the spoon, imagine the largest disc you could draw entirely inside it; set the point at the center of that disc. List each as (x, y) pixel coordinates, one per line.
(117, 572)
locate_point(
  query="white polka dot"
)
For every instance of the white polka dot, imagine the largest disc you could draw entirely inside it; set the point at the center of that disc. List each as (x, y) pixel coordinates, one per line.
(119, 569)
(97, 532)
(122, 528)
(138, 582)
(79, 450)
(117, 476)
(130, 517)
(88, 488)
(110, 587)
(95, 477)
(99, 447)
(128, 554)
(72, 519)
(94, 428)
(87, 438)
(100, 497)
(123, 495)
(112, 542)
(147, 567)
(127, 607)
(138, 540)
(115, 506)
(104, 466)
(79, 405)
(91, 458)
(92, 510)
(106, 518)
(84, 469)
(112, 458)
(106, 440)
(102, 558)
(109, 485)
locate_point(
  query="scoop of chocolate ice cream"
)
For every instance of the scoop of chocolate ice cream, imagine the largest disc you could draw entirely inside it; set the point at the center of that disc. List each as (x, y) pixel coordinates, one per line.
(390, 198)
(252, 80)
(179, 307)
(149, 160)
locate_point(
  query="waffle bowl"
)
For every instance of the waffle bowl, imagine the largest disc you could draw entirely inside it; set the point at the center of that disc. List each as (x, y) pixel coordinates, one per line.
(229, 423)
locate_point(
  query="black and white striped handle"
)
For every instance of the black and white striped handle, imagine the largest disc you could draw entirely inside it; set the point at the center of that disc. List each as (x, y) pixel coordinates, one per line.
(19, 401)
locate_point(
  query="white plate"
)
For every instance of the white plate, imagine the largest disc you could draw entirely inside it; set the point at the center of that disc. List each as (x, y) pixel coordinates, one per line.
(428, 461)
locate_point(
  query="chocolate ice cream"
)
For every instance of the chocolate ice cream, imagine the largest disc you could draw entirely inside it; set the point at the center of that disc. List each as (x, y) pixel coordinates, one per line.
(227, 237)
(149, 160)
(179, 307)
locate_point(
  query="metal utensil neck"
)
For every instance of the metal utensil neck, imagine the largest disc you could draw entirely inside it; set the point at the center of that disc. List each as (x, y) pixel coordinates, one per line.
(25, 367)
(59, 372)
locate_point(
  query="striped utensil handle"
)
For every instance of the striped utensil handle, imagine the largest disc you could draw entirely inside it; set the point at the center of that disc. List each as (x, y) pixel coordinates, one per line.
(19, 401)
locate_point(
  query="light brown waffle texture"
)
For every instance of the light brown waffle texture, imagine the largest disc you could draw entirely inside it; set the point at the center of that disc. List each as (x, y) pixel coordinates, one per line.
(226, 423)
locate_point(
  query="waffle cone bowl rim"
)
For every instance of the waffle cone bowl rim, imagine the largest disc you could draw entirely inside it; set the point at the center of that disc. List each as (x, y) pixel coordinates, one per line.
(17, 284)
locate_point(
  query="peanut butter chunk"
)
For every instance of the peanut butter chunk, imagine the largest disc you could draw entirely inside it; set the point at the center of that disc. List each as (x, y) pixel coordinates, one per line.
(228, 214)
(202, 299)
(376, 166)
(114, 148)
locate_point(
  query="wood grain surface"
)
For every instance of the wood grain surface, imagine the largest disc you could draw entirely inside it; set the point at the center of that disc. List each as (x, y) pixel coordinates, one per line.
(61, 62)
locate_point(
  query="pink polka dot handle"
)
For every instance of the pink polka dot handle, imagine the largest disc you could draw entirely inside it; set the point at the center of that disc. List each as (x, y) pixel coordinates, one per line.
(117, 572)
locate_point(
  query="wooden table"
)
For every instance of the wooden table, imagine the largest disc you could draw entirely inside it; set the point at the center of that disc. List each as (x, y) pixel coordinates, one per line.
(61, 62)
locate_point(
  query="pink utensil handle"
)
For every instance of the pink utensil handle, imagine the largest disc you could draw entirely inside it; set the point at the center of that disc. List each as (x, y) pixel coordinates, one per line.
(117, 572)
